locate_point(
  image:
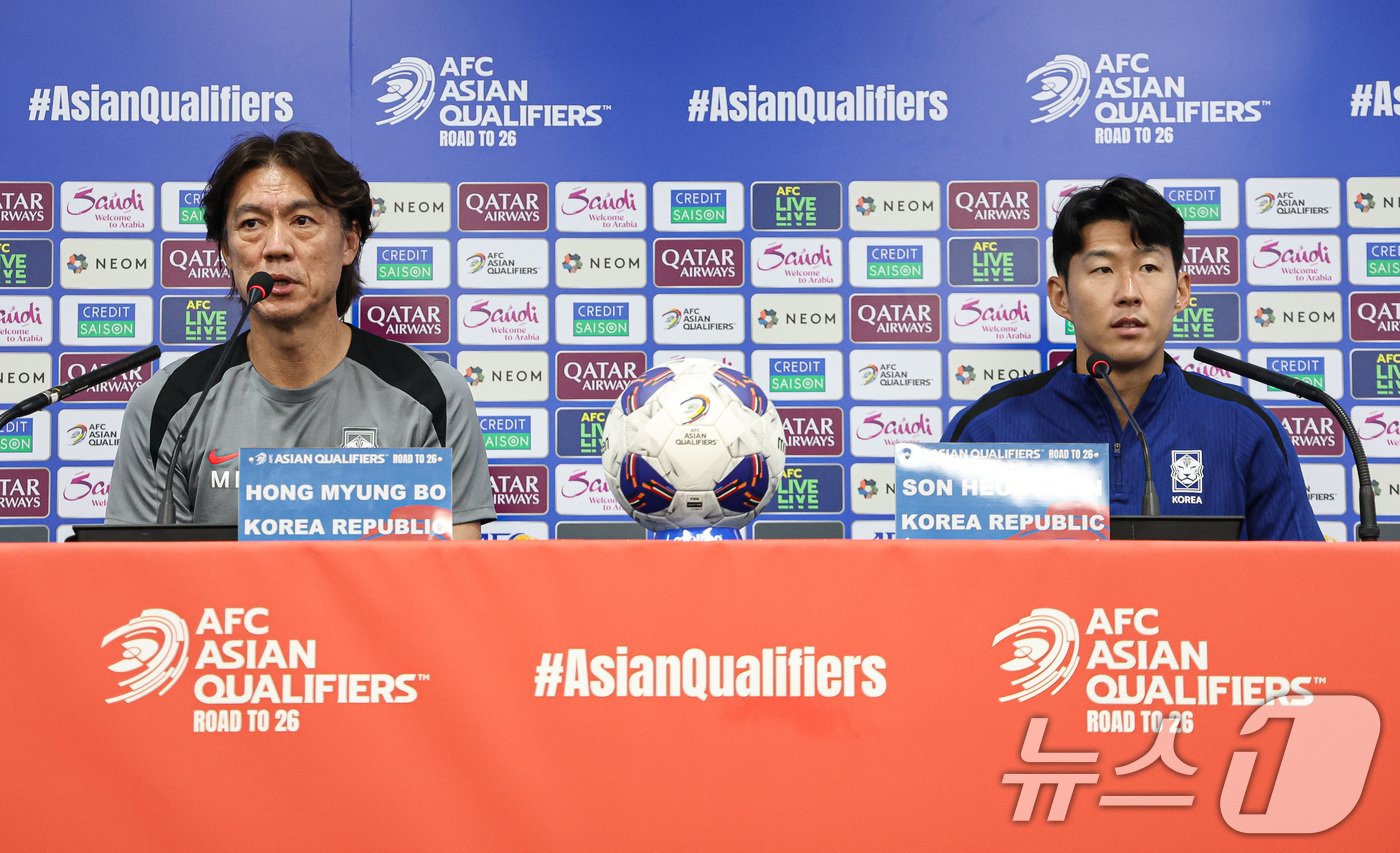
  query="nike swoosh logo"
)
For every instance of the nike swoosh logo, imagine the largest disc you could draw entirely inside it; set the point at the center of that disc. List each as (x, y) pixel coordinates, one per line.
(216, 459)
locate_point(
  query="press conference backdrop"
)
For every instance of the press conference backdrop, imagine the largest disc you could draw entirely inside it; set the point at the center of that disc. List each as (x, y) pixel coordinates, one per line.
(851, 203)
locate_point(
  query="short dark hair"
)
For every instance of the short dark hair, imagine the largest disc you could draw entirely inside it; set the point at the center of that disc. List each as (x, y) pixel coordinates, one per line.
(335, 181)
(1152, 221)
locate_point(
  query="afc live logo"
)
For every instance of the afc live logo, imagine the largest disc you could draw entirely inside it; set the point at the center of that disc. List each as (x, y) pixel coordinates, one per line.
(796, 206)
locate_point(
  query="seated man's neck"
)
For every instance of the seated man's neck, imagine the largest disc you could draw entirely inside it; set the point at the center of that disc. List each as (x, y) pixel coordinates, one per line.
(297, 356)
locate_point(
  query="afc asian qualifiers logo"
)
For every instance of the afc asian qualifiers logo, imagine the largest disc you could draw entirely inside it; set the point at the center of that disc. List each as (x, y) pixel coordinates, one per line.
(155, 647)
(1064, 87)
(1046, 645)
(409, 89)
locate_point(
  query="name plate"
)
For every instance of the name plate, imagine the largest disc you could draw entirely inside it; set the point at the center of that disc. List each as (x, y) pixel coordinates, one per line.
(329, 493)
(1001, 491)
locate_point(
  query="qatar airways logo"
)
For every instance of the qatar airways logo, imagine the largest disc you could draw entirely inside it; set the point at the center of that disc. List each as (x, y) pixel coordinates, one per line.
(993, 318)
(796, 262)
(601, 206)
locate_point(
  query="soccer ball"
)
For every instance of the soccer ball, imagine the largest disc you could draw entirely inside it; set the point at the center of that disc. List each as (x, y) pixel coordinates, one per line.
(693, 444)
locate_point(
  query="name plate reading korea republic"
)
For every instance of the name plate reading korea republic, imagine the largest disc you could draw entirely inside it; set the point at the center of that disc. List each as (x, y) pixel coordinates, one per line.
(329, 493)
(1001, 491)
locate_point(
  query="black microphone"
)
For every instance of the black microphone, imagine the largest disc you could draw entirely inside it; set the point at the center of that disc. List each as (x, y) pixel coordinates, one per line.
(1366, 530)
(93, 377)
(1100, 366)
(258, 287)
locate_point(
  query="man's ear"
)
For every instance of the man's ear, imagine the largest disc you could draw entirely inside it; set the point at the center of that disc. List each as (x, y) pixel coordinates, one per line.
(1058, 291)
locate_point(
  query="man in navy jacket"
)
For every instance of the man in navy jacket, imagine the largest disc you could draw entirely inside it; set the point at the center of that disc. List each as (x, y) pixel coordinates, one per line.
(1118, 257)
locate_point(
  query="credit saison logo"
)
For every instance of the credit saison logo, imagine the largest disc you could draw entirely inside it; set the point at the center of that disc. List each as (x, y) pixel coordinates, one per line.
(699, 207)
(26, 263)
(404, 263)
(106, 320)
(1383, 259)
(26, 206)
(1309, 369)
(797, 375)
(601, 320)
(1195, 204)
(506, 432)
(190, 207)
(17, 436)
(894, 262)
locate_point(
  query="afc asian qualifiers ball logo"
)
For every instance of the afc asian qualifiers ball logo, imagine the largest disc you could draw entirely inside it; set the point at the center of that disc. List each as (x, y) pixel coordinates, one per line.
(1064, 87)
(410, 87)
(1046, 651)
(155, 647)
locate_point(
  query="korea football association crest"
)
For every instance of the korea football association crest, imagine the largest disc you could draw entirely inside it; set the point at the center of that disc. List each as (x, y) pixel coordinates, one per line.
(1188, 471)
(359, 437)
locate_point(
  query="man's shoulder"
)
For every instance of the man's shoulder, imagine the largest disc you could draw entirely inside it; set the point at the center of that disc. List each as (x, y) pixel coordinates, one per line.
(1004, 400)
(1210, 400)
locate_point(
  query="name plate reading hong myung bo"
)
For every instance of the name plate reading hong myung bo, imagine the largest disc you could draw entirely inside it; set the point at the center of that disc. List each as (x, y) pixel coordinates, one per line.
(1001, 491)
(345, 493)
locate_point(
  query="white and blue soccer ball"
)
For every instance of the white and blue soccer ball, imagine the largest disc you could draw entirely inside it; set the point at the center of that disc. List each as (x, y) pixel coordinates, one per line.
(693, 444)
